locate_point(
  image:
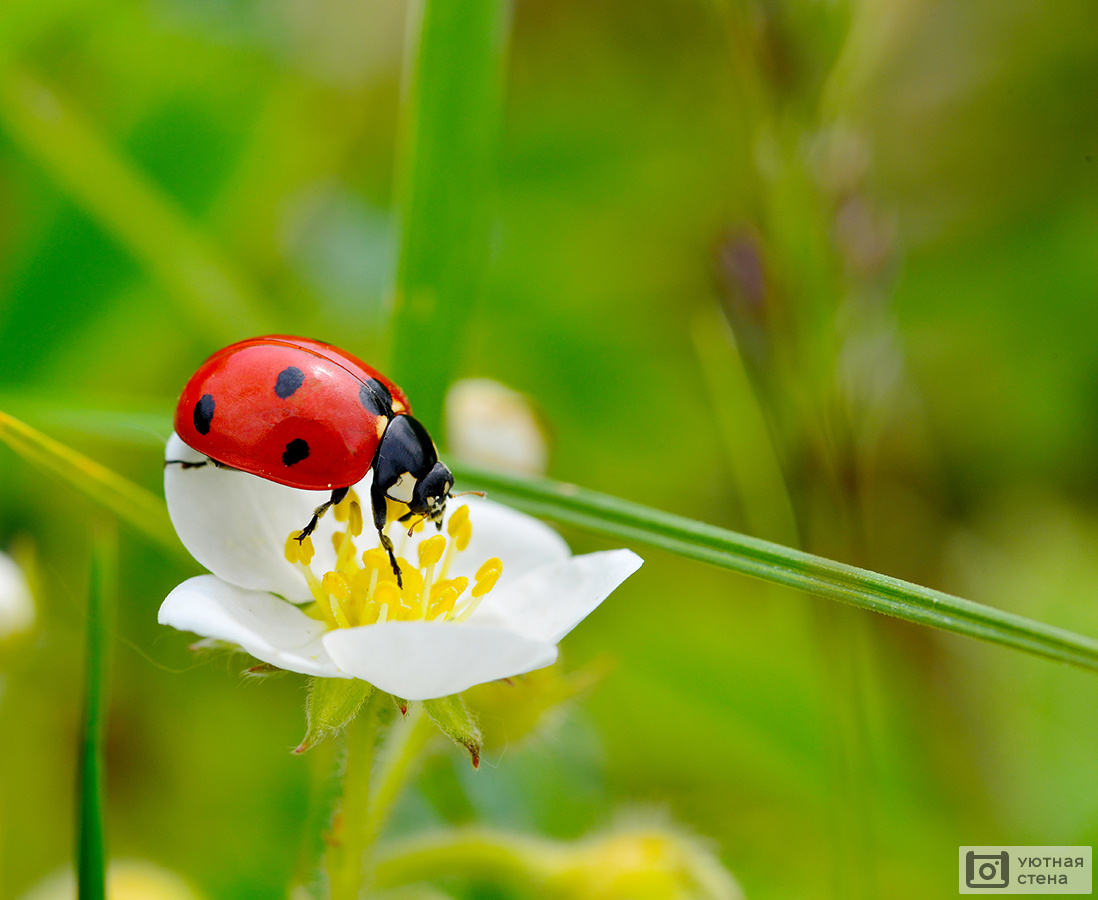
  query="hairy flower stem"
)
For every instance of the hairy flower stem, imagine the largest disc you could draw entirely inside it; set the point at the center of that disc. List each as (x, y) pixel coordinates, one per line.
(396, 766)
(368, 797)
(351, 834)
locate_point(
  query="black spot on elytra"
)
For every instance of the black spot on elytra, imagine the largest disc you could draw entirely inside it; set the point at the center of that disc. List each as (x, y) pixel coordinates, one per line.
(204, 413)
(376, 398)
(296, 451)
(289, 380)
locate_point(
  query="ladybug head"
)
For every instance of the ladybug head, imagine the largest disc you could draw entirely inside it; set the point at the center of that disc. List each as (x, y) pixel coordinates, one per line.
(407, 469)
(431, 493)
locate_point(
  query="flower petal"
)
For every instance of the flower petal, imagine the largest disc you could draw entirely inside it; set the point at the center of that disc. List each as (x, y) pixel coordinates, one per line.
(17, 610)
(424, 660)
(236, 524)
(268, 628)
(549, 601)
(521, 541)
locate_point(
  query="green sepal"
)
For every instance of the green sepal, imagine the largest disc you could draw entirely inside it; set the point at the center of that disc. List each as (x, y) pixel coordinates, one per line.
(454, 720)
(332, 703)
(512, 709)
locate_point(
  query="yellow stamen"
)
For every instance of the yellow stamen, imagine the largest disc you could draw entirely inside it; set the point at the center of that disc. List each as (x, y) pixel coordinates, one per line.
(299, 551)
(387, 597)
(354, 518)
(323, 599)
(345, 555)
(487, 576)
(460, 530)
(335, 583)
(466, 609)
(461, 539)
(458, 518)
(361, 589)
(375, 558)
(338, 592)
(341, 509)
(444, 594)
(430, 551)
(411, 599)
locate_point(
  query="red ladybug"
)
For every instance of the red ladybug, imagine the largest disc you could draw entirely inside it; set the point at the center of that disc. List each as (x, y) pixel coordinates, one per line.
(309, 415)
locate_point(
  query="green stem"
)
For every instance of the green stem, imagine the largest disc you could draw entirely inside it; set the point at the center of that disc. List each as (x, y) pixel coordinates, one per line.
(396, 766)
(774, 563)
(649, 861)
(368, 797)
(471, 852)
(351, 834)
(91, 852)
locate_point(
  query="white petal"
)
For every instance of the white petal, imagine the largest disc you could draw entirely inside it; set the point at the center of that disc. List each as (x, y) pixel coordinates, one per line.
(548, 602)
(236, 524)
(268, 628)
(16, 603)
(521, 541)
(424, 660)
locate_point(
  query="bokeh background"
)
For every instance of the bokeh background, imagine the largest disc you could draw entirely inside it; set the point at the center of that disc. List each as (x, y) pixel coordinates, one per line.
(824, 272)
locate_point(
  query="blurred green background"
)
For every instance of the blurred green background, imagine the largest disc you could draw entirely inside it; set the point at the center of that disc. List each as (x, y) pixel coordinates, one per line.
(824, 272)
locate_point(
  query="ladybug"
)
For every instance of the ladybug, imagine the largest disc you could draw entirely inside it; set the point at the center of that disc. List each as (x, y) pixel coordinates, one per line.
(309, 415)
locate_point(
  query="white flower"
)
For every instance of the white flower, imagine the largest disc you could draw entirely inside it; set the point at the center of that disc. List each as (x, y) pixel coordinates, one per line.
(16, 603)
(433, 638)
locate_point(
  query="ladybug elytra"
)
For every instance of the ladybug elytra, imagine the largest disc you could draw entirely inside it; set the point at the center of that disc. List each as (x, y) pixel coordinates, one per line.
(309, 415)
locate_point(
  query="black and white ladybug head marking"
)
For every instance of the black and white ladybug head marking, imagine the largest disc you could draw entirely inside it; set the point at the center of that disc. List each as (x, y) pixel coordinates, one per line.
(407, 469)
(431, 493)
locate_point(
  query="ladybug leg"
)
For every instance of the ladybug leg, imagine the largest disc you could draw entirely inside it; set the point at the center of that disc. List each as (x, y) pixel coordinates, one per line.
(337, 496)
(186, 463)
(377, 496)
(191, 464)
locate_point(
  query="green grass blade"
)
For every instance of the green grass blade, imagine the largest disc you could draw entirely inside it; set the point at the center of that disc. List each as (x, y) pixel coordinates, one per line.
(771, 562)
(450, 123)
(91, 853)
(129, 501)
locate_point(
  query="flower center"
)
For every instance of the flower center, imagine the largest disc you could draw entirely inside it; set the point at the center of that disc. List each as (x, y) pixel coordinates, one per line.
(361, 588)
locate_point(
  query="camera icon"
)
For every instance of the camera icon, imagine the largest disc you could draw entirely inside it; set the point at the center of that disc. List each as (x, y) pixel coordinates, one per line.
(988, 871)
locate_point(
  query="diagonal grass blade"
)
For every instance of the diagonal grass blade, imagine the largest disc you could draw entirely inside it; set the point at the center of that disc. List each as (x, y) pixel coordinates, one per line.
(608, 515)
(129, 501)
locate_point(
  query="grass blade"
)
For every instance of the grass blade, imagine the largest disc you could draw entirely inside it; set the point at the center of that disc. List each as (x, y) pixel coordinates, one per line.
(771, 562)
(450, 123)
(129, 501)
(91, 853)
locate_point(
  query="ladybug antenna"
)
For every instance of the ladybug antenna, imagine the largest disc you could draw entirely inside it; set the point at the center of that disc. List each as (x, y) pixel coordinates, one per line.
(480, 494)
